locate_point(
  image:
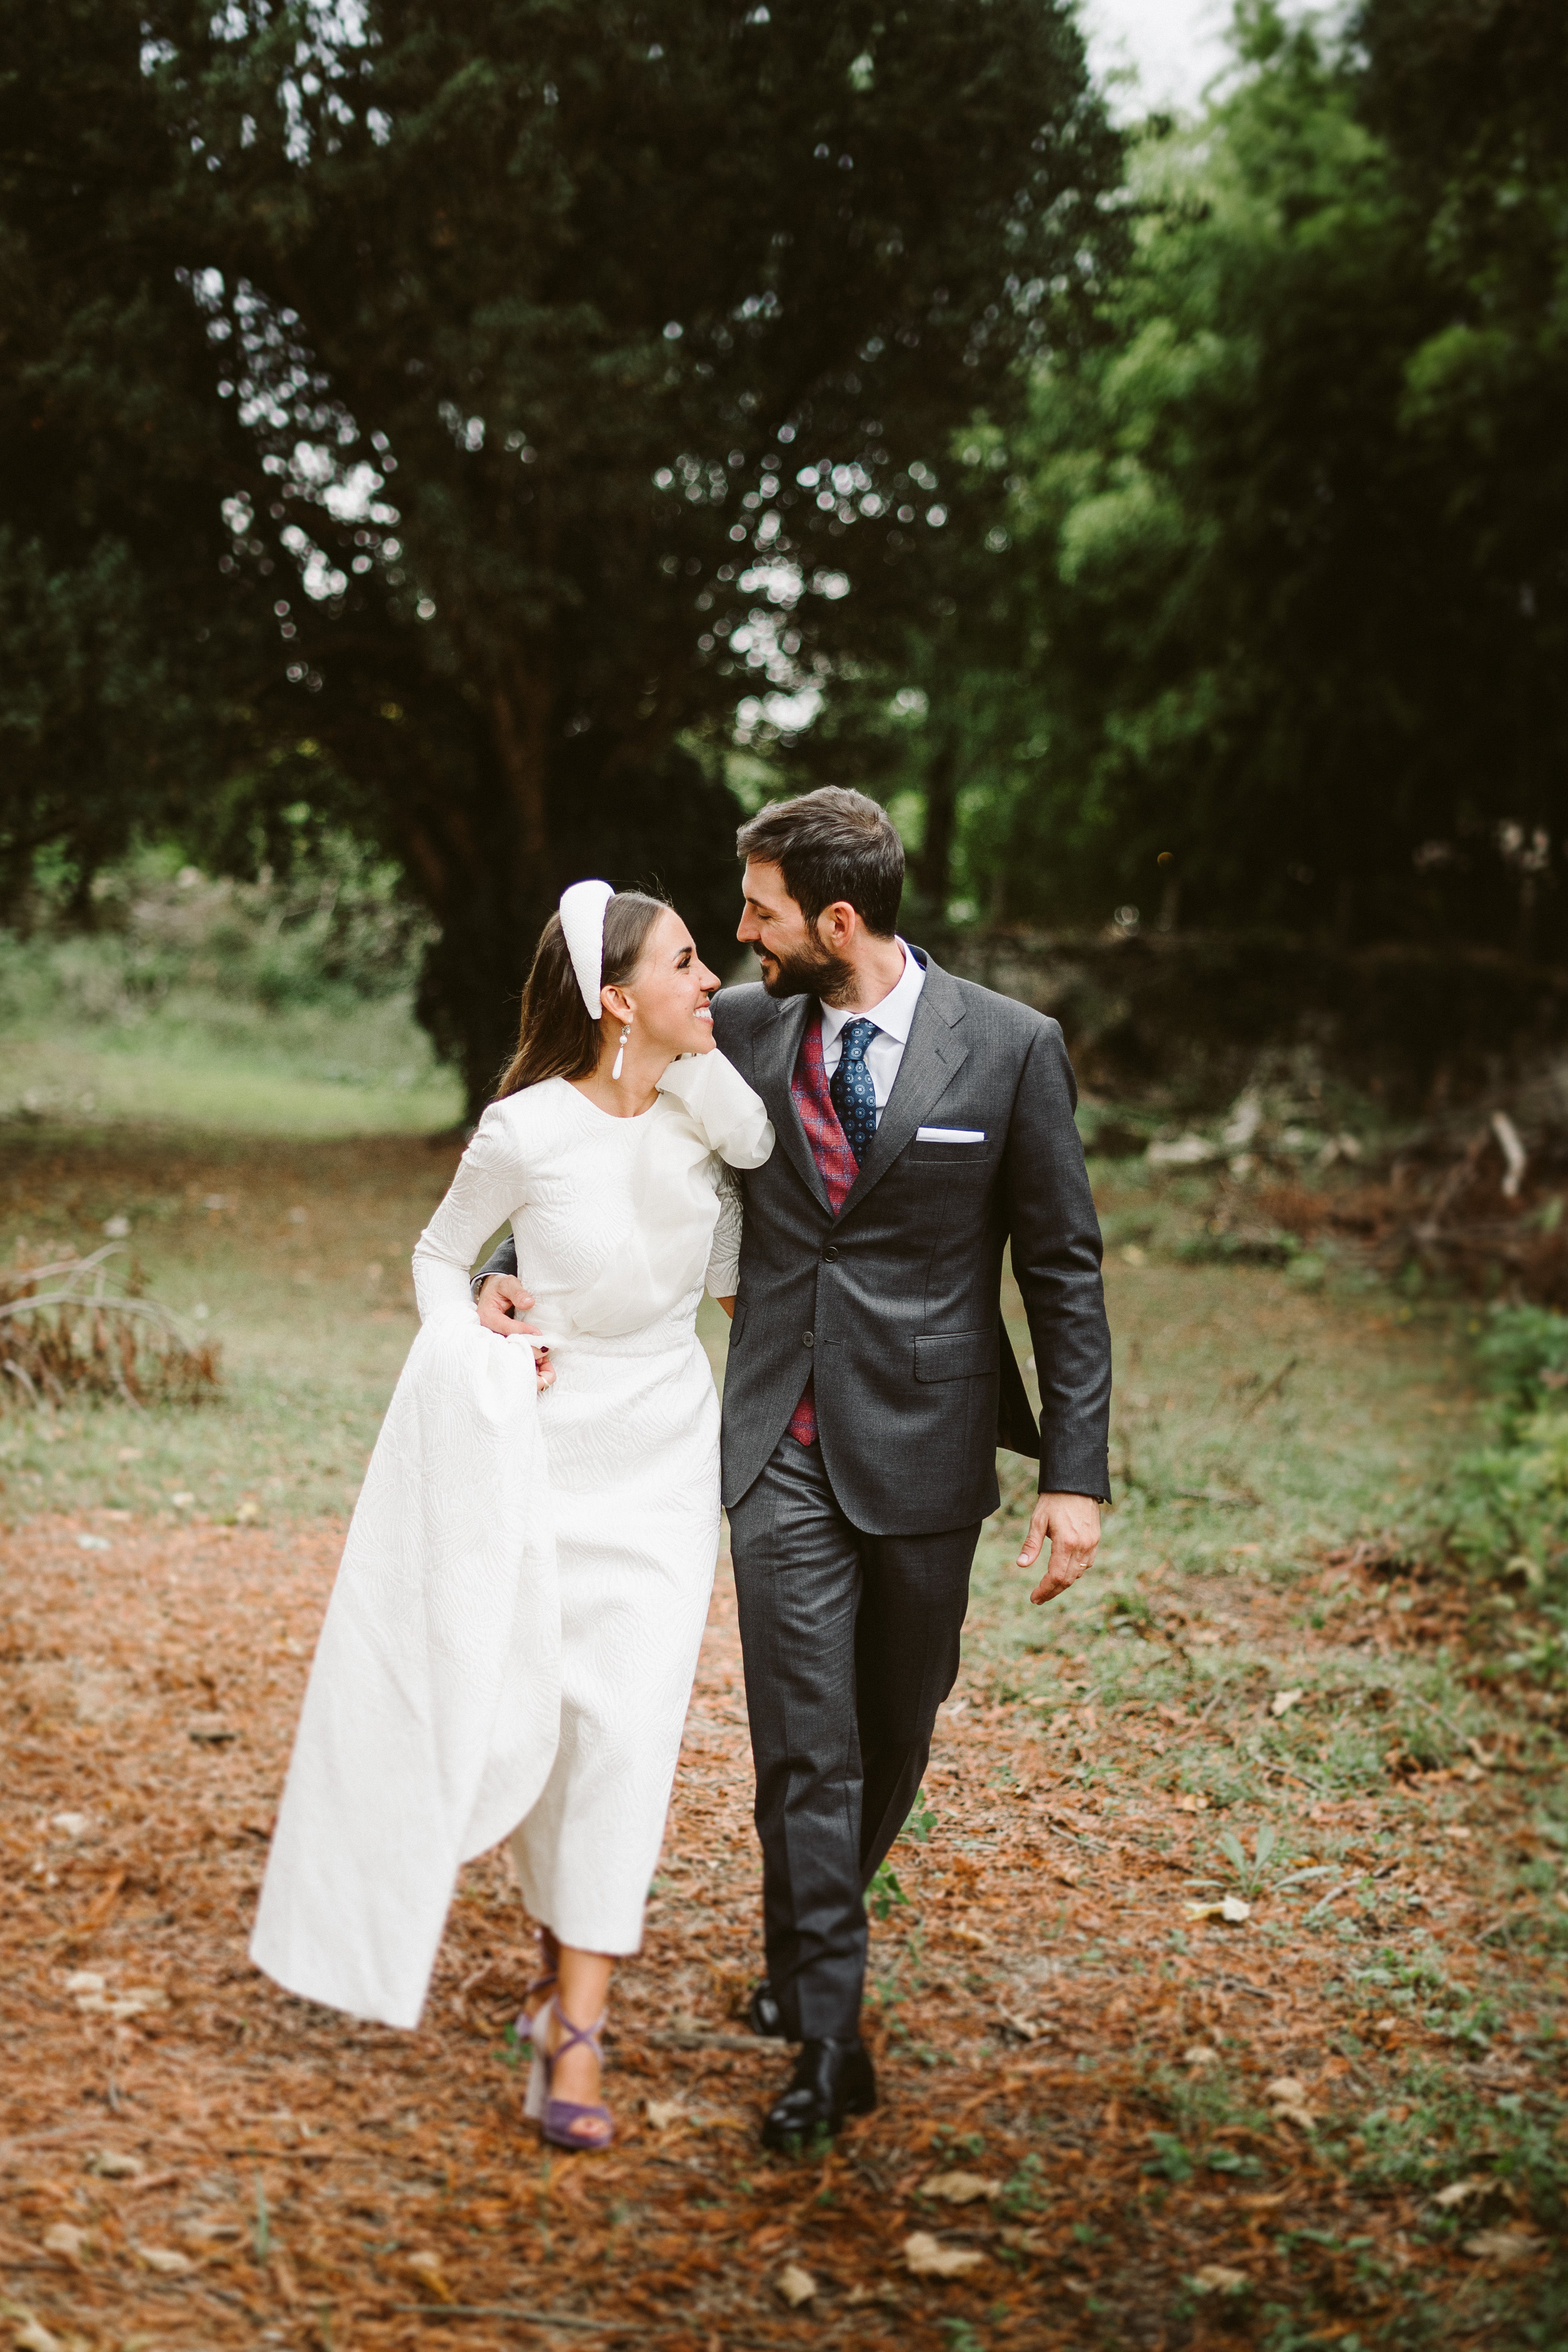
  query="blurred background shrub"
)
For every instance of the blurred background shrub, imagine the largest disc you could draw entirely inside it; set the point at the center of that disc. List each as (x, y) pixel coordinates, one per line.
(338, 930)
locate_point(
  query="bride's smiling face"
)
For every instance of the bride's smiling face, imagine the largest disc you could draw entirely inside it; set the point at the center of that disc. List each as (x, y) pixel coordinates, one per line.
(668, 994)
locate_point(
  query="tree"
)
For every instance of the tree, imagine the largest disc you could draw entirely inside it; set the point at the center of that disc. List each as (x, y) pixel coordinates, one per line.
(570, 373)
(109, 443)
(939, 718)
(1471, 99)
(1287, 568)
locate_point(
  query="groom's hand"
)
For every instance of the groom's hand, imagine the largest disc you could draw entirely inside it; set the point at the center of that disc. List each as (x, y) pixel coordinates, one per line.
(502, 1303)
(1070, 1524)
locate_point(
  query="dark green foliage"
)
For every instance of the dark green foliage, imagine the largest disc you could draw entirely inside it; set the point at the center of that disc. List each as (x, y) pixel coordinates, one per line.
(1184, 1018)
(567, 374)
(1505, 1507)
(576, 378)
(1277, 627)
(1275, 655)
(1171, 2159)
(116, 669)
(1523, 1353)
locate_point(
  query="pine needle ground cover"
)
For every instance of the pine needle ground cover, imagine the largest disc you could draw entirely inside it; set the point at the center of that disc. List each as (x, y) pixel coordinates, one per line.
(1216, 1987)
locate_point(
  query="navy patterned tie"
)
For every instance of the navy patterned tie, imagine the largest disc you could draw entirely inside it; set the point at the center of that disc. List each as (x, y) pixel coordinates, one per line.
(853, 1096)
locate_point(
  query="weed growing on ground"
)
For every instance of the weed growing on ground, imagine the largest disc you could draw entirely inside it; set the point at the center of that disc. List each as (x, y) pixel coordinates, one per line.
(1502, 1510)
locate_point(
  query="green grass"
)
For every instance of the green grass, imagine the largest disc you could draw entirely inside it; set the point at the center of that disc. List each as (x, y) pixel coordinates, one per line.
(282, 1006)
(1234, 1479)
(231, 1067)
(297, 1254)
(1222, 1469)
(233, 1072)
(312, 1338)
(1257, 1420)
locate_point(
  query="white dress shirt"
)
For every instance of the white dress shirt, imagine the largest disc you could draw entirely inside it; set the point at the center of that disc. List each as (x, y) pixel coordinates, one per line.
(894, 1017)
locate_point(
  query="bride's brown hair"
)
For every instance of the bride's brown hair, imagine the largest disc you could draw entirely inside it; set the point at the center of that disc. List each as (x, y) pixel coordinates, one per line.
(555, 1038)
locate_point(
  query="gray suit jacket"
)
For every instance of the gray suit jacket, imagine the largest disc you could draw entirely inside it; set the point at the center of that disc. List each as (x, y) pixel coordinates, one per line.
(895, 1305)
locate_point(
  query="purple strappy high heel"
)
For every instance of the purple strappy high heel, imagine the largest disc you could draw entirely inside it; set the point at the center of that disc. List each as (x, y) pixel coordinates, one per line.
(565, 2123)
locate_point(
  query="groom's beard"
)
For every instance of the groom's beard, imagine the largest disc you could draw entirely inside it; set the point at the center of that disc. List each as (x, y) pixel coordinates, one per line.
(808, 974)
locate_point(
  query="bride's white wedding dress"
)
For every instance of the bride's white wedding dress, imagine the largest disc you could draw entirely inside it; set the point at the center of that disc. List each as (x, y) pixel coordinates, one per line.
(511, 1641)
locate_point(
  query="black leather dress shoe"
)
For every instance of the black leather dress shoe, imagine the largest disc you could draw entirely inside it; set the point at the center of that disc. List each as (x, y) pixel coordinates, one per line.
(831, 2080)
(764, 2015)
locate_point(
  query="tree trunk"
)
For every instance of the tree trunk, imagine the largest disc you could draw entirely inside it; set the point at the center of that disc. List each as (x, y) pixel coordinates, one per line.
(499, 820)
(522, 718)
(483, 855)
(933, 866)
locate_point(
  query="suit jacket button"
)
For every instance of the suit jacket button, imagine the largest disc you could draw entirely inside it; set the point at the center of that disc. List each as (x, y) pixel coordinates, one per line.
(828, 1256)
(809, 1339)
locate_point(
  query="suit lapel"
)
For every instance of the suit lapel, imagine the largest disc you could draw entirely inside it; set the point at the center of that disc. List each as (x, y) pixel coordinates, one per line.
(932, 1055)
(773, 1060)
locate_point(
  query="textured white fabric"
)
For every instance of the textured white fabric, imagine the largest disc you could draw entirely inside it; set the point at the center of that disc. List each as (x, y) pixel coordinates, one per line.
(582, 912)
(724, 1258)
(431, 1718)
(894, 1017)
(514, 1629)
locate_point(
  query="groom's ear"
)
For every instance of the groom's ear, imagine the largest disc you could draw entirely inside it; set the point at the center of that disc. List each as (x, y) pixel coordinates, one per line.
(836, 925)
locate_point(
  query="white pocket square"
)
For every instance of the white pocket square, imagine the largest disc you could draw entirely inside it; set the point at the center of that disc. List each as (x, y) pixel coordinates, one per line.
(950, 1135)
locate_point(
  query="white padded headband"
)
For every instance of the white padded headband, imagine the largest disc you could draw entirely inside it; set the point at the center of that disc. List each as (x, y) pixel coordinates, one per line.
(583, 921)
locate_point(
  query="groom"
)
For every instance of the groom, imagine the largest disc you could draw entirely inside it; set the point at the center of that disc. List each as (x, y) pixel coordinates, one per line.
(923, 1124)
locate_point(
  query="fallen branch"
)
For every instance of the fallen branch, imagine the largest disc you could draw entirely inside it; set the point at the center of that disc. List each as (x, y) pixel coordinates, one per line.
(79, 1337)
(694, 2038)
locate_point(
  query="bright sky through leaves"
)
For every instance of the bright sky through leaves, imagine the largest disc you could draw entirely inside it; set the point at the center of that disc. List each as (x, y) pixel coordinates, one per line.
(1175, 46)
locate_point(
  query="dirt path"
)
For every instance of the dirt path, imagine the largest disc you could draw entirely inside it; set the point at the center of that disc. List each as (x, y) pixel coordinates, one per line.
(193, 2159)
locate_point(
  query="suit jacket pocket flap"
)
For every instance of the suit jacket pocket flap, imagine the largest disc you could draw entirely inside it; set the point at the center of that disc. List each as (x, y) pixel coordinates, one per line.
(955, 1355)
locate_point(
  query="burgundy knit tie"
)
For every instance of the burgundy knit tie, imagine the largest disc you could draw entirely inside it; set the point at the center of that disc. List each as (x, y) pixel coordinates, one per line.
(835, 1163)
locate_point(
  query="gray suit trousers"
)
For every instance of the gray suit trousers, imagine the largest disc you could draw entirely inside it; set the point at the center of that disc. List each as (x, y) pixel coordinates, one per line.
(851, 1644)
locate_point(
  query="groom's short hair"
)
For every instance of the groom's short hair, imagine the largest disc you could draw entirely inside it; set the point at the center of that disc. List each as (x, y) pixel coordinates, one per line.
(830, 845)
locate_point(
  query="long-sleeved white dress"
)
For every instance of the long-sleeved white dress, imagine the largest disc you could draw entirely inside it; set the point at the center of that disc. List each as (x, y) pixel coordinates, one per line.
(512, 1638)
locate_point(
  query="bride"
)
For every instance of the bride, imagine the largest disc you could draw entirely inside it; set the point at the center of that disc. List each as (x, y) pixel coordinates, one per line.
(511, 1643)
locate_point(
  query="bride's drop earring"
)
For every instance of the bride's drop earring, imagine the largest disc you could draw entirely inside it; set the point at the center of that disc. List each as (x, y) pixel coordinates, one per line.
(621, 1056)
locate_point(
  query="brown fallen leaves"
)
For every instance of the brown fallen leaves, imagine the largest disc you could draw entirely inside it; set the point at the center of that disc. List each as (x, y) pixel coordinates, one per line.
(1516, 2245)
(1287, 2098)
(28, 2333)
(425, 2266)
(927, 2257)
(959, 2188)
(165, 2260)
(1219, 2278)
(197, 2161)
(1461, 2192)
(795, 2286)
(1229, 1908)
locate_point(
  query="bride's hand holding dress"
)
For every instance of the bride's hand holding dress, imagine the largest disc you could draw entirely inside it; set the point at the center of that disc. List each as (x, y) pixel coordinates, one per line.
(511, 1643)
